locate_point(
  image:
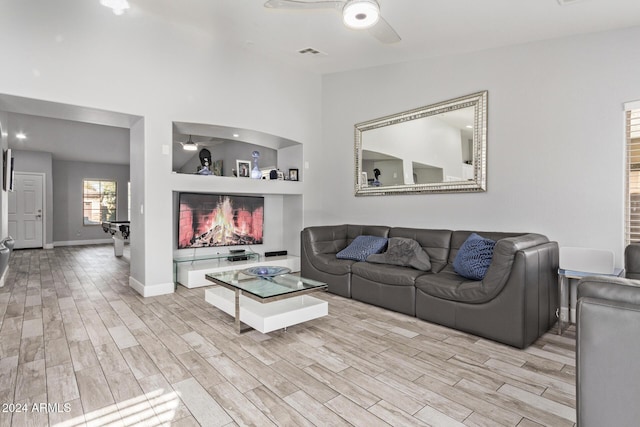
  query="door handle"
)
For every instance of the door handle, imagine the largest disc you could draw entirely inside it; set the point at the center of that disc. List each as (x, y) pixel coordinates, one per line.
(38, 216)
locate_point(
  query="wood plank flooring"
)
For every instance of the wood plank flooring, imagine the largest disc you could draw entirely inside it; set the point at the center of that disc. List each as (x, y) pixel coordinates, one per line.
(79, 347)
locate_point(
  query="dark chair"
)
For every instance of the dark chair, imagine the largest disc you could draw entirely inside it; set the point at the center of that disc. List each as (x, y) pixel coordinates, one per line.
(608, 349)
(632, 261)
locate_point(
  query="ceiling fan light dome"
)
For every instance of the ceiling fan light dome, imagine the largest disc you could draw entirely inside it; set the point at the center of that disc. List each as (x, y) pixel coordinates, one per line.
(361, 14)
(189, 145)
(118, 6)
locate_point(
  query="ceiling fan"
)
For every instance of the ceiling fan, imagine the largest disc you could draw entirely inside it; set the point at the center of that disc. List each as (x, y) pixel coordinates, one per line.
(189, 145)
(357, 14)
(200, 142)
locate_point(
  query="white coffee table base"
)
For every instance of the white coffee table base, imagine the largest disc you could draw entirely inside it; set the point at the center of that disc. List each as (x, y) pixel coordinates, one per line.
(270, 316)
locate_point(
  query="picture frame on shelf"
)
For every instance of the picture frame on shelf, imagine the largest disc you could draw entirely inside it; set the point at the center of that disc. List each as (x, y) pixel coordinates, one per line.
(217, 168)
(280, 175)
(293, 174)
(243, 168)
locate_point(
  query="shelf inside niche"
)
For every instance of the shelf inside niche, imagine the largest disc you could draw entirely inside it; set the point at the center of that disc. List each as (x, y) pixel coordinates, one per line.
(187, 182)
(230, 144)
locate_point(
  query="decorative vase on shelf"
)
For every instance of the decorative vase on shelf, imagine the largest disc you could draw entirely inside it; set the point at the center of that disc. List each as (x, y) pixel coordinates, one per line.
(255, 172)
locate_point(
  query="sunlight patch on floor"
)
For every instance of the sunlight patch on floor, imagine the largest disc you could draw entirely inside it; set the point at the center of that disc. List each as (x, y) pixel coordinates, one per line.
(156, 408)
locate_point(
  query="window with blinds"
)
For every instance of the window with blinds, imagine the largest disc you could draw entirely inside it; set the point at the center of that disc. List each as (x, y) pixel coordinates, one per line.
(99, 201)
(632, 209)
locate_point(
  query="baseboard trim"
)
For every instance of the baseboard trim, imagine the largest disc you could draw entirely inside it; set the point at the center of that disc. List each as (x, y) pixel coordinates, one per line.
(48, 246)
(153, 290)
(83, 242)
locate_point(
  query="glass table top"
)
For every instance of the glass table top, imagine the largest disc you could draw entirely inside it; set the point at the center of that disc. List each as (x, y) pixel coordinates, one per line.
(574, 274)
(265, 287)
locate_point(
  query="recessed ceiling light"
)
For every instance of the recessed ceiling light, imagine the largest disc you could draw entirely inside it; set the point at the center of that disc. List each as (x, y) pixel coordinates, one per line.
(469, 127)
(21, 136)
(235, 135)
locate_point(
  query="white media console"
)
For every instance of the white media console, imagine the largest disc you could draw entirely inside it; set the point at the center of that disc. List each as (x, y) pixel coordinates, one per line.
(190, 271)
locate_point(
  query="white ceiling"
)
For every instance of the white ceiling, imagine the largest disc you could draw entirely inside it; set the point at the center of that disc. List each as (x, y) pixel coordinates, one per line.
(428, 28)
(69, 140)
(66, 131)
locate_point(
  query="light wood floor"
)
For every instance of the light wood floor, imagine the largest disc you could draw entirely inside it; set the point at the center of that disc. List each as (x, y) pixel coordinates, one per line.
(76, 337)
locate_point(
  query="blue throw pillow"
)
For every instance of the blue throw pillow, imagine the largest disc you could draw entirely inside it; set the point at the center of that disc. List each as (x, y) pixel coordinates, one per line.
(474, 257)
(362, 247)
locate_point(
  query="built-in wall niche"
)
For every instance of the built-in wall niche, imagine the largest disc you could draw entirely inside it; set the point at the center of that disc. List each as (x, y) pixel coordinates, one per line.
(283, 217)
(214, 150)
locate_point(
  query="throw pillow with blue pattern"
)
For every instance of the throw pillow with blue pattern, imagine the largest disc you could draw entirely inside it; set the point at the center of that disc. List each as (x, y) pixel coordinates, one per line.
(474, 257)
(362, 247)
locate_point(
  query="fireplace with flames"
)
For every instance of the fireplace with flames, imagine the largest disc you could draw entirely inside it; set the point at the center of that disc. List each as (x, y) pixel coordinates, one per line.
(206, 220)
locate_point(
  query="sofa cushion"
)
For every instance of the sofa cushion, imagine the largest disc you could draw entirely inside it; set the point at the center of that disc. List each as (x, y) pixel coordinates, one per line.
(386, 274)
(449, 285)
(328, 263)
(354, 231)
(434, 242)
(474, 257)
(327, 239)
(403, 252)
(362, 247)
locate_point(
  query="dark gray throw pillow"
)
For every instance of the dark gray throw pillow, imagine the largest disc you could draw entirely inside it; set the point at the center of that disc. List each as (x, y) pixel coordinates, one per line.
(404, 252)
(362, 247)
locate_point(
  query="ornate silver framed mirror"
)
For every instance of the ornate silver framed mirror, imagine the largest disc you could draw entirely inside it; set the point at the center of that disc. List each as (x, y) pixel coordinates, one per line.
(433, 149)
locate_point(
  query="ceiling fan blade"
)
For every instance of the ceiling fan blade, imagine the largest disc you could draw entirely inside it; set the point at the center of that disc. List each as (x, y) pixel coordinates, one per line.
(299, 4)
(384, 32)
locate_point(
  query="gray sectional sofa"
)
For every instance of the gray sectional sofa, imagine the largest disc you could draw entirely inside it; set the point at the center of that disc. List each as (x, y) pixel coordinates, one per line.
(514, 304)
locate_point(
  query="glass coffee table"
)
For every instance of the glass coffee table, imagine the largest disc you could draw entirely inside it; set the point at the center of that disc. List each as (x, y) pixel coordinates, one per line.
(266, 303)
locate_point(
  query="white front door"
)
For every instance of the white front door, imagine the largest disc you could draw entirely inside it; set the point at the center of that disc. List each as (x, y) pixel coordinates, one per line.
(25, 211)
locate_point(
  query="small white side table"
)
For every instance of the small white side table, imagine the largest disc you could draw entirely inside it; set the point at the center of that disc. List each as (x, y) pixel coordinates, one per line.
(563, 291)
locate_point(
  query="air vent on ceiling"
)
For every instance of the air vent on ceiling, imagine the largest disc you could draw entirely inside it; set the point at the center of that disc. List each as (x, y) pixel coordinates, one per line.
(568, 2)
(311, 52)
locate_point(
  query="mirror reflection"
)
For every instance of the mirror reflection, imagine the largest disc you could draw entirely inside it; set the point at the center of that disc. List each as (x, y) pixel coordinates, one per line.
(437, 148)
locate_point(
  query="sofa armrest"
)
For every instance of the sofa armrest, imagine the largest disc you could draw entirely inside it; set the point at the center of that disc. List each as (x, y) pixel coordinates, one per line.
(610, 289)
(607, 352)
(504, 256)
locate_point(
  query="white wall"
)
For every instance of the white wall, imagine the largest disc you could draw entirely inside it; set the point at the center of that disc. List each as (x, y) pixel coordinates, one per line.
(79, 53)
(4, 199)
(68, 177)
(555, 139)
